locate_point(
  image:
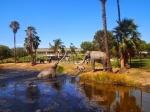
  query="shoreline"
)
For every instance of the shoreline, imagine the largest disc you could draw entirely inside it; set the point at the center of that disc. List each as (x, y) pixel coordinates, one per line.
(133, 77)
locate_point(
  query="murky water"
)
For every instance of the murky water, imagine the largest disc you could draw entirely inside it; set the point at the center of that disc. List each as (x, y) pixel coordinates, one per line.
(65, 94)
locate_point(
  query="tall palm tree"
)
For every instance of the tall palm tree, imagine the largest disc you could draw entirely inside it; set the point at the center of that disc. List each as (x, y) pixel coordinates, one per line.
(118, 8)
(32, 42)
(104, 21)
(14, 25)
(128, 36)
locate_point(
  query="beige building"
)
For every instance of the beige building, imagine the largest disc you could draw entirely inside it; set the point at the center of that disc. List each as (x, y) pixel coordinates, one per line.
(50, 52)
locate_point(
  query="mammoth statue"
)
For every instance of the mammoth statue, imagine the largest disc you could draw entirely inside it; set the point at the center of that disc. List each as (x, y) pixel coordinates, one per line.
(51, 71)
(96, 56)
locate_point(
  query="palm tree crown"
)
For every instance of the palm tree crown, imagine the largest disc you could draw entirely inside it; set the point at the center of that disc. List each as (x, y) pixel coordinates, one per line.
(14, 26)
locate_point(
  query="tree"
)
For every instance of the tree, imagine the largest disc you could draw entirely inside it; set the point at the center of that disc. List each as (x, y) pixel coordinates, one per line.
(57, 45)
(63, 49)
(20, 52)
(98, 38)
(128, 36)
(32, 42)
(72, 48)
(5, 52)
(118, 7)
(104, 21)
(14, 25)
(87, 46)
(148, 47)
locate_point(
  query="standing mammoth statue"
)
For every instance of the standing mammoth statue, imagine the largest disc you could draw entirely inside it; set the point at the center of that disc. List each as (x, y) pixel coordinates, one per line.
(96, 56)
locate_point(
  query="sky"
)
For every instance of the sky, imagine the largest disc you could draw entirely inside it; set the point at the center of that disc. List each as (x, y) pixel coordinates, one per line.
(73, 21)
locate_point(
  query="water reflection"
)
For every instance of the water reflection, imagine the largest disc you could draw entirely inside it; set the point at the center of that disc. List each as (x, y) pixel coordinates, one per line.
(65, 94)
(112, 98)
(32, 91)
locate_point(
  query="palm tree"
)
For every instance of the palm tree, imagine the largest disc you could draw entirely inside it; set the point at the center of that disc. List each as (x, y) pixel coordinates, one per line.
(128, 36)
(118, 7)
(14, 25)
(104, 20)
(32, 42)
(57, 44)
(57, 47)
(36, 43)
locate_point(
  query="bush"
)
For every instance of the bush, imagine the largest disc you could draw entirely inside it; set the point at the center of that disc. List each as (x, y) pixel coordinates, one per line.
(60, 69)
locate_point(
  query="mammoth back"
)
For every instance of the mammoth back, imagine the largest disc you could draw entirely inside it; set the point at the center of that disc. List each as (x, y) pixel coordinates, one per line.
(97, 55)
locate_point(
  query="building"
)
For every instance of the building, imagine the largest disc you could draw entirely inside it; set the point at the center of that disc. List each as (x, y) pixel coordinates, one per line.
(49, 52)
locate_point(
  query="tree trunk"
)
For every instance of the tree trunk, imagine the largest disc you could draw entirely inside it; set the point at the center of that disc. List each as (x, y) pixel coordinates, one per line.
(35, 57)
(103, 2)
(15, 48)
(122, 61)
(119, 20)
(118, 7)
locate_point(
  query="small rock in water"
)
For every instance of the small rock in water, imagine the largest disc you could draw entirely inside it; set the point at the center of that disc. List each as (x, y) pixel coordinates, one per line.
(38, 110)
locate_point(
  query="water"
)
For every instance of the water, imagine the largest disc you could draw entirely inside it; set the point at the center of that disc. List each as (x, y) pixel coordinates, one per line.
(66, 94)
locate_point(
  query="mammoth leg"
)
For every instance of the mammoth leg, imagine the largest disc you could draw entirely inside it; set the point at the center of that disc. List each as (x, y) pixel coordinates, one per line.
(93, 65)
(104, 65)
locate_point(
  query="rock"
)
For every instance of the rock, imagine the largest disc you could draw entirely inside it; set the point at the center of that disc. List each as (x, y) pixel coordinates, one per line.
(38, 110)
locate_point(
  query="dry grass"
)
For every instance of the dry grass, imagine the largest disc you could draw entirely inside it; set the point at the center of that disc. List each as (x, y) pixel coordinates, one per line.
(109, 78)
(24, 66)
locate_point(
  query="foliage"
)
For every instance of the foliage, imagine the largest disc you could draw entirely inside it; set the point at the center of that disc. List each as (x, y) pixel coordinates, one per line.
(87, 46)
(128, 39)
(14, 25)
(32, 42)
(5, 52)
(60, 69)
(58, 45)
(72, 48)
(20, 52)
(98, 41)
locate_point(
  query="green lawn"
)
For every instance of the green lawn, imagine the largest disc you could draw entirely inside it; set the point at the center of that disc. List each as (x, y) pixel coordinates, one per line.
(140, 63)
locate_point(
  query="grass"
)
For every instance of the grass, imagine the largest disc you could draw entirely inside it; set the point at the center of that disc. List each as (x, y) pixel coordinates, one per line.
(109, 78)
(140, 63)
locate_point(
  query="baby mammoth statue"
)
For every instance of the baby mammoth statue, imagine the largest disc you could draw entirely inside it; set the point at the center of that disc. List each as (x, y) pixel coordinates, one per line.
(50, 72)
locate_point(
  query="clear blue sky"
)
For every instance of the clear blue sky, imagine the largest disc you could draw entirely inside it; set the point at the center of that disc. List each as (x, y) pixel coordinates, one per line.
(73, 21)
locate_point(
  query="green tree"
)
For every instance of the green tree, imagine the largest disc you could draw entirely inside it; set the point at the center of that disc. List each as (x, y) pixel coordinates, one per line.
(148, 47)
(57, 45)
(104, 21)
(32, 42)
(62, 48)
(20, 52)
(14, 25)
(98, 38)
(72, 48)
(87, 46)
(128, 36)
(5, 52)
